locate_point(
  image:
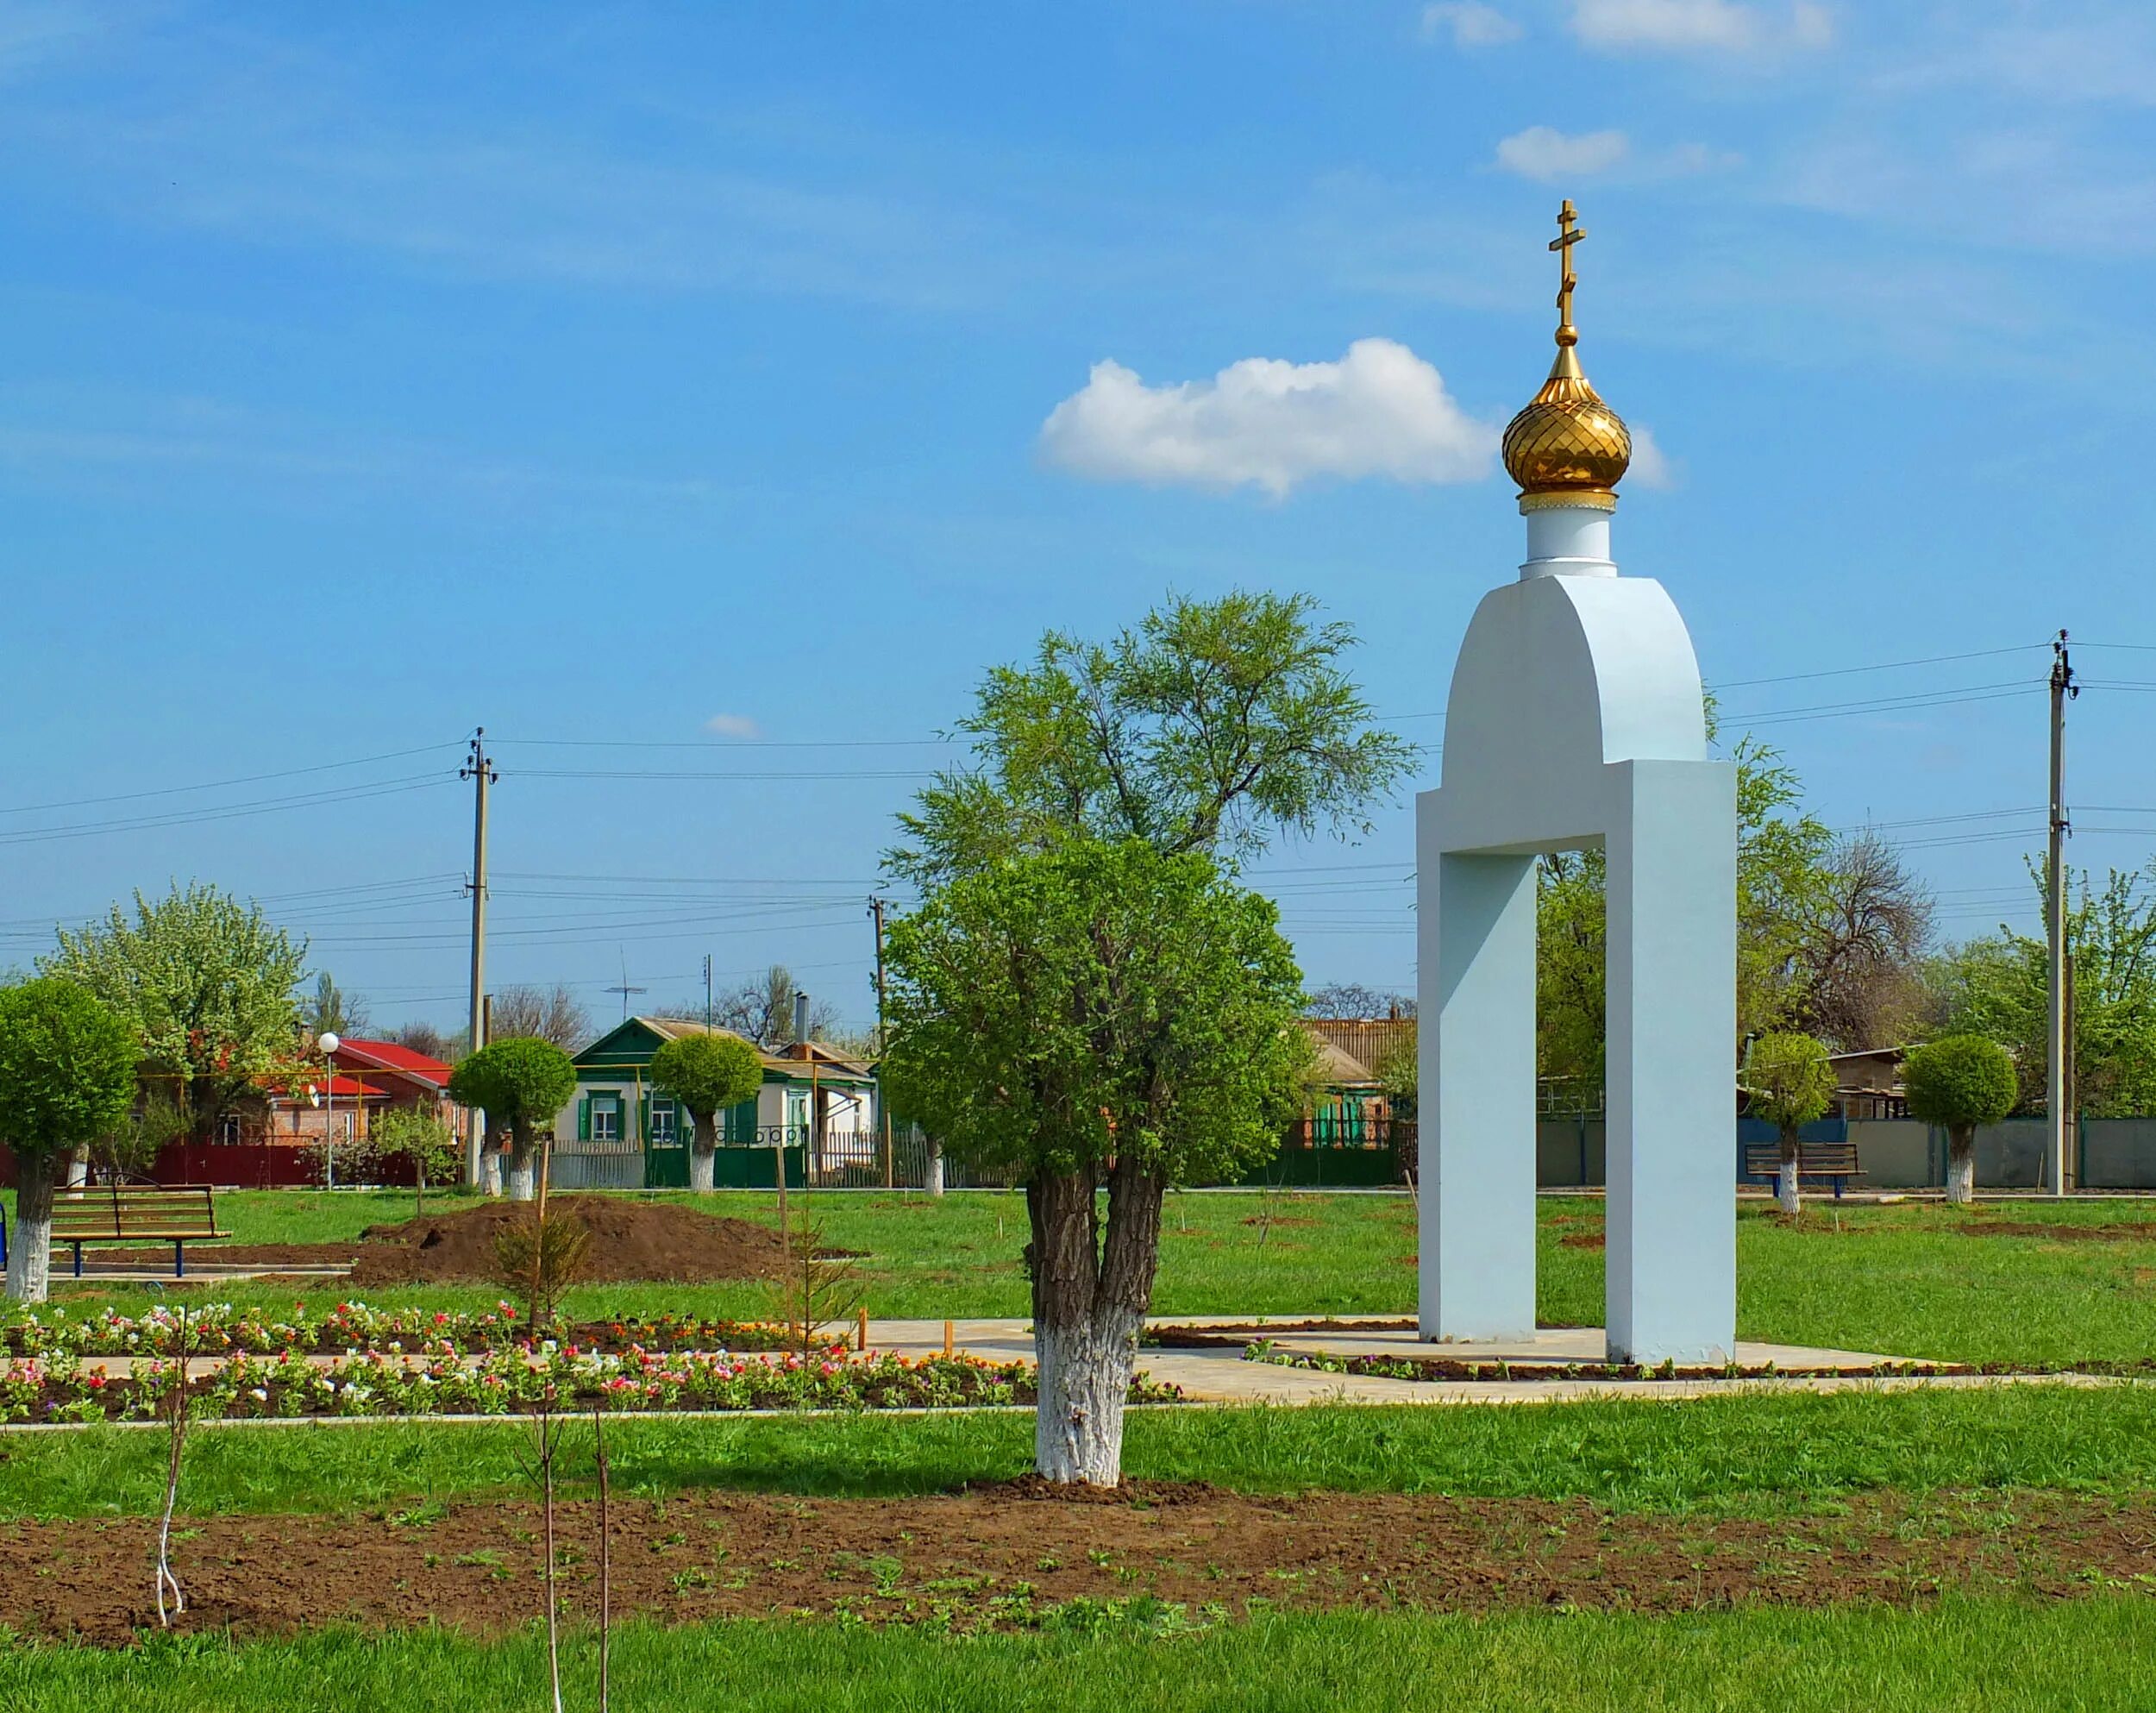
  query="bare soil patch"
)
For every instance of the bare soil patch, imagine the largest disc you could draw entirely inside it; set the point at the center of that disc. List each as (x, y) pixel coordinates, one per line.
(630, 1240)
(2134, 1231)
(1584, 1239)
(1002, 1555)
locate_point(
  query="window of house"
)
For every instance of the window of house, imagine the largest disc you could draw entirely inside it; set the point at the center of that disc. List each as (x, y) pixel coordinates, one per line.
(663, 1123)
(605, 1118)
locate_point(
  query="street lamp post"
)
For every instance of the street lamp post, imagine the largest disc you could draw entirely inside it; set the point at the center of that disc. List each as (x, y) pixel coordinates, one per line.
(329, 1044)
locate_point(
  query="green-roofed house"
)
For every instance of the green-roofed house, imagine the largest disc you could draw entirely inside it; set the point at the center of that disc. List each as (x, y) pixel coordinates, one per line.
(617, 1133)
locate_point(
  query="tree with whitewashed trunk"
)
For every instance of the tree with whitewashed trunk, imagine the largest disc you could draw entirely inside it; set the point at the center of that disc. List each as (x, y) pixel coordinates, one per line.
(1101, 1015)
(1788, 1083)
(1958, 1082)
(67, 1077)
(706, 1074)
(521, 1085)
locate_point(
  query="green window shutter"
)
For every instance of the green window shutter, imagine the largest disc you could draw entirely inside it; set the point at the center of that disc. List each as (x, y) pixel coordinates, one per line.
(584, 1118)
(643, 1120)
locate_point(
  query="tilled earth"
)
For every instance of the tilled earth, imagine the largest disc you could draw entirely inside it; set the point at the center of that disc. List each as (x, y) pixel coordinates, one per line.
(1007, 1555)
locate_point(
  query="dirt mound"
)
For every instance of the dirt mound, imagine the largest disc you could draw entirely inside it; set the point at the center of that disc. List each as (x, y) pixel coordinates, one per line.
(629, 1241)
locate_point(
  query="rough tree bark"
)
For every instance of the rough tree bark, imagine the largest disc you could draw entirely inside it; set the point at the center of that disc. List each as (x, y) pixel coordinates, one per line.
(30, 1244)
(934, 1175)
(1787, 1189)
(703, 1150)
(1961, 1164)
(1090, 1299)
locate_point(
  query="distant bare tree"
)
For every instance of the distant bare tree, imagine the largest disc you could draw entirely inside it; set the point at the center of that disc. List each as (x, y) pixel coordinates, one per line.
(1861, 950)
(552, 1014)
(424, 1039)
(763, 1010)
(1354, 999)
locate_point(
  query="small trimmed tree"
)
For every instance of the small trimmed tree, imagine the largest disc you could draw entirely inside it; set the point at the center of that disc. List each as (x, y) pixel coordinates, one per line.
(1791, 1084)
(521, 1085)
(1958, 1082)
(1099, 1015)
(67, 1077)
(706, 1074)
(417, 1136)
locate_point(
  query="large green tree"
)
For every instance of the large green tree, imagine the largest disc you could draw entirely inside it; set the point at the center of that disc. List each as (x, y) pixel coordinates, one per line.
(205, 980)
(1998, 986)
(522, 1084)
(1101, 1013)
(67, 1066)
(706, 1074)
(1208, 729)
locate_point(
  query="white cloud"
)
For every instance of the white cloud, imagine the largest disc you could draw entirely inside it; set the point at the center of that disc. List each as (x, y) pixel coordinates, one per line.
(1471, 23)
(1379, 410)
(732, 725)
(1700, 25)
(1542, 154)
(1650, 466)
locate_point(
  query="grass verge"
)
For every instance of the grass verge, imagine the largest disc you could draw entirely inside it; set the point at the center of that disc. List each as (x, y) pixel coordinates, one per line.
(1762, 1454)
(1978, 1654)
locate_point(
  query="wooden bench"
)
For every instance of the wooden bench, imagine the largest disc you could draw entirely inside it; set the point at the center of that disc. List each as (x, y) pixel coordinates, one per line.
(178, 1213)
(1816, 1160)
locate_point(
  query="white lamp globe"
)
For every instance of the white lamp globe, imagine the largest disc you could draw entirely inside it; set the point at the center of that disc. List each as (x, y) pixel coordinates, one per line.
(329, 1043)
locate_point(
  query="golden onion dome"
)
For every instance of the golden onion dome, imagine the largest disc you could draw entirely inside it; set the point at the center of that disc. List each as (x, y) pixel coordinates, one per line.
(1567, 447)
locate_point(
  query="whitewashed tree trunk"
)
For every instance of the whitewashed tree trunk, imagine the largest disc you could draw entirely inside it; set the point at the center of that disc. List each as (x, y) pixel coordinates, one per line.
(1961, 1166)
(703, 1153)
(1085, 1381)
(1089, 1301)
(30, 1244)
(1788, 1191)
(78, 1168)
(934, 1167)
(523, 1181)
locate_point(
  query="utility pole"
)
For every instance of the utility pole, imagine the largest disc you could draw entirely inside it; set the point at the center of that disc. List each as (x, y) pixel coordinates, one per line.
(2057, 1067)
(707, 992)
(883, 1106)
(479, 767)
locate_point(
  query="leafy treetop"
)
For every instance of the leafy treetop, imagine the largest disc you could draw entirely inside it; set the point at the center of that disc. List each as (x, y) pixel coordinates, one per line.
(67, 1068)
(1100, 1002)
(1211, 725)
(522, 1082)
(206, 982)
(707, 1073)
(1959, 1082)
(1788, 1079)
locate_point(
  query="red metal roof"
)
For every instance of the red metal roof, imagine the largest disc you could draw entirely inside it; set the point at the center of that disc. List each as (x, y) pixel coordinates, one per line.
(392, 1057)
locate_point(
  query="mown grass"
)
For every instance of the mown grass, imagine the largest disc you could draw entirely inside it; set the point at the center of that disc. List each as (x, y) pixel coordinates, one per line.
(1764, 1454)
(1965, 1654)
(1903, 1280)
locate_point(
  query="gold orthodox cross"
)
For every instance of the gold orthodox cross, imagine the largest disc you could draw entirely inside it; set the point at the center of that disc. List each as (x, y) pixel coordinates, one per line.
(1569, 232)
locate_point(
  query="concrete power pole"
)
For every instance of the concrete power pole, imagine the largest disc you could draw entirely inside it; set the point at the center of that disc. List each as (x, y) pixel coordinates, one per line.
(883, 1106)
(2058, 1062)
(479, 769)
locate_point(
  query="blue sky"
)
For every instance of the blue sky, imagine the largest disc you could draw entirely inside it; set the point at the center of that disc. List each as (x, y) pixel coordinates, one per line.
(683, 377)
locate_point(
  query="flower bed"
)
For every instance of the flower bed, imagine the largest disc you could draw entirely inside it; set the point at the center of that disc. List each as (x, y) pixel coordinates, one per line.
(509, 1382)
(1450, 1368)
(218, 1329)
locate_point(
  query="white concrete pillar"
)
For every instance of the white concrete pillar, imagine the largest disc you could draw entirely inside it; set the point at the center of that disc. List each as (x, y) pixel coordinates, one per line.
(1568, 541)
(1672, 944)
(1477, 1147)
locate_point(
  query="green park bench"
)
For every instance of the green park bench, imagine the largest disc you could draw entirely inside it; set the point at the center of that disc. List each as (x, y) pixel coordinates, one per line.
(1819, 1161)
(178, 1213)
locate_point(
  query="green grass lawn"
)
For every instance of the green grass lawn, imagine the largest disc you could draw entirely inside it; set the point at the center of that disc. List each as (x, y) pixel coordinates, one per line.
(1907, 1279)
(1962, 1656)
(1768, 1454)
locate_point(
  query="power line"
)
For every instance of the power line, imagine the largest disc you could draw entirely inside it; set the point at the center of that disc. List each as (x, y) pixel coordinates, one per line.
(221, 784)
(231, 812)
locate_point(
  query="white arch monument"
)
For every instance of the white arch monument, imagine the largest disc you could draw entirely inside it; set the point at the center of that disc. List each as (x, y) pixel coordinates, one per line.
(1575, 719)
